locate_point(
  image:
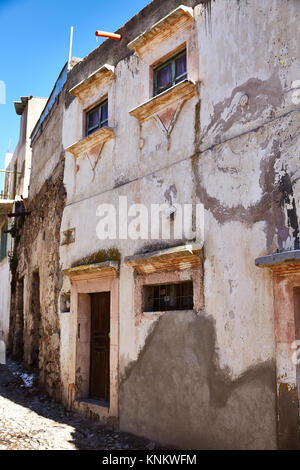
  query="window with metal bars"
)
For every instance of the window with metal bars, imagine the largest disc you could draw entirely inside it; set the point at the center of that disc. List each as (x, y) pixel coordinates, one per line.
(165, 297)
(169, 73)
(97, 117)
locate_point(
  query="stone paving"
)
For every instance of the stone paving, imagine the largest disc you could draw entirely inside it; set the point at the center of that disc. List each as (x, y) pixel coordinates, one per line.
(30, 420)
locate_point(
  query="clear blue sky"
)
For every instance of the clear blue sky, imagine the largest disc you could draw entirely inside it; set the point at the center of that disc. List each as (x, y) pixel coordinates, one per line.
(34, 44)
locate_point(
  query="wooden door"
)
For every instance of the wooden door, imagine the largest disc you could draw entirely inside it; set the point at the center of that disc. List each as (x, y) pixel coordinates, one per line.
(100, 341)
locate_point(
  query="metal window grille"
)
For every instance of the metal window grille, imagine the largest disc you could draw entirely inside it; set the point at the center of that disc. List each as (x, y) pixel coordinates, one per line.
(165, 297)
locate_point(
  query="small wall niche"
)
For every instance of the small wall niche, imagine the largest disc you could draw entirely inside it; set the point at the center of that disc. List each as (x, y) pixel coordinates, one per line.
(65, 302)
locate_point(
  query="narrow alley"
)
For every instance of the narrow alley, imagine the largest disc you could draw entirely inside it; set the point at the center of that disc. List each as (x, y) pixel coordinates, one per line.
(32, 421)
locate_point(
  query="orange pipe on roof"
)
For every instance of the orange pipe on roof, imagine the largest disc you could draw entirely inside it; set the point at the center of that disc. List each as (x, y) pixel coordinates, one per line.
(105, 34)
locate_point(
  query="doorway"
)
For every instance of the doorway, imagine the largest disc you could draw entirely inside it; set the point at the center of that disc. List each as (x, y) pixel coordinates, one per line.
(93, 362)
(100, 347)
(35, 309)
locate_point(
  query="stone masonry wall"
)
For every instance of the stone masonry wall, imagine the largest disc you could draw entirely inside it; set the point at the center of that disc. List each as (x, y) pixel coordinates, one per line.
(41, 234)
(36, 256)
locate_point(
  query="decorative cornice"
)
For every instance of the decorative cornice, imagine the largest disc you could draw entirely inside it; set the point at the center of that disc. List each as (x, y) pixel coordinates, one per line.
(106, 71)
(181, 13)
(99, 137)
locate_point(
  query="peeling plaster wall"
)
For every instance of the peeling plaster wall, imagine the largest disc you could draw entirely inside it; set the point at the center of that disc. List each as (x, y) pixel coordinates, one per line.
(235, 149)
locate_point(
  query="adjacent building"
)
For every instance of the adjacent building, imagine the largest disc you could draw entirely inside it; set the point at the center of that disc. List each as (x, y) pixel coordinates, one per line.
(15, 180)
(164, 177)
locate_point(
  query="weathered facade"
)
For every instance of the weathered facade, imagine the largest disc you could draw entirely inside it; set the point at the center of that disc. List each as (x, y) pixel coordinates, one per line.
(224, 139)
(36, 269)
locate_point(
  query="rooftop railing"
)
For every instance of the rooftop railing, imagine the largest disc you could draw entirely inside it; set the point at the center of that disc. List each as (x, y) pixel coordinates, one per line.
(8, 182)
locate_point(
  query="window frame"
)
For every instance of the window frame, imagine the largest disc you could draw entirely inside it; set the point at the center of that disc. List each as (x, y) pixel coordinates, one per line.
(3, 241)
(170, 61)
(102, 123)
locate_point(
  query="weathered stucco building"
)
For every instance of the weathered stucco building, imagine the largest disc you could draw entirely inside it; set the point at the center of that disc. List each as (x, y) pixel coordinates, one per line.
(178, 336)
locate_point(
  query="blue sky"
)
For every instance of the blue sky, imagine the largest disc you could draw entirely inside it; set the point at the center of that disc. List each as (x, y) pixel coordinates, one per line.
(34, 45)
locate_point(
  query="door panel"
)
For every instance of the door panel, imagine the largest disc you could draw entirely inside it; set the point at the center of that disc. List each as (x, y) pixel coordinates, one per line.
(100, 328)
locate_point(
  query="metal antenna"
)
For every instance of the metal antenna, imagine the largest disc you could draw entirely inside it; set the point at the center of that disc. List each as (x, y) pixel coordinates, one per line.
(70, 47)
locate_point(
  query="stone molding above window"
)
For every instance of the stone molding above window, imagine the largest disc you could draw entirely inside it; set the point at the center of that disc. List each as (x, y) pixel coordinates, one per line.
(182, 91)
(177, 258)
(180, 17)
(81, 89)
(98, 138)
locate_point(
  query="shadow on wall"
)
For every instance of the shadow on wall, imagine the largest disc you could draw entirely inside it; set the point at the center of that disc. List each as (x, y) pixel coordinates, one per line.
(177, 394)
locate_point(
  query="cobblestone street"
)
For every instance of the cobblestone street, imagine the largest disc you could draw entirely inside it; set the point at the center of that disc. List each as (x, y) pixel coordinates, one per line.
(32, 421)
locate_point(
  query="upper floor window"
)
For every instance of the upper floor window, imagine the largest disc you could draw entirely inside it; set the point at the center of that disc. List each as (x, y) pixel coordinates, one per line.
(173, 71)
(97, 117)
